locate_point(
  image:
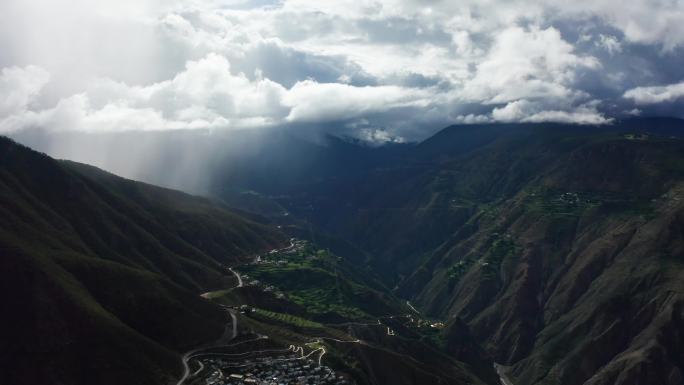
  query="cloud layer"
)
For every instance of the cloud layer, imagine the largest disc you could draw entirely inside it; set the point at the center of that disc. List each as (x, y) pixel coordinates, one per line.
(378, 70)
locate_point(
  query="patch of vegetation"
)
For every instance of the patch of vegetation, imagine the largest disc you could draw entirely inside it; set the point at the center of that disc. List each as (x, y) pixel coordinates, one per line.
(573, 204)
(287, 319)
(216, 294)
(325, 302)
(636, 136)
(490, 210)
(558, 203)
(501, 248)
(457, 271)
(313, 279)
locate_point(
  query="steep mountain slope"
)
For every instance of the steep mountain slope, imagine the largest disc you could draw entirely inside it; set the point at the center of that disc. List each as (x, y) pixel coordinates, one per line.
(101, 275)
(559, 246)
(577, 277)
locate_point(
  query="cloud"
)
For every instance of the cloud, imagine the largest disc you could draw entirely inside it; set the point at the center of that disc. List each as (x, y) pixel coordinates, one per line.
(287, 66)
(19, 87)
(641, 21)
(378, 136)
(316, 102)
(207, 95)
(527, 64)
(656, 94)
(406, 67)
(535, 112)
(609, 43)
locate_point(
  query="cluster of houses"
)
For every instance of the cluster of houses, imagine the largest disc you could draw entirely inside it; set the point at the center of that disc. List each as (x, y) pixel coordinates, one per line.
(569, 198)
(420, 323)
(266, 288)
(278, 256)
(278, 370)
(275, 257)
(259, 260)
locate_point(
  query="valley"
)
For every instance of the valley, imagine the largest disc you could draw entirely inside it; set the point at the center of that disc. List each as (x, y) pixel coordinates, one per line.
(520, 232)
(488, 254)
(296, 348)
(341, 192)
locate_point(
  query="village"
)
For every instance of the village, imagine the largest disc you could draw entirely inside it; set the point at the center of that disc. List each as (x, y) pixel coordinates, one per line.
(280, 257)
(290, 369)
(287, 367)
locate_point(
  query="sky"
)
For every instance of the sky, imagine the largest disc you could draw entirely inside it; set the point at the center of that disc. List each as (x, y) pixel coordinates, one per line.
(381, 71)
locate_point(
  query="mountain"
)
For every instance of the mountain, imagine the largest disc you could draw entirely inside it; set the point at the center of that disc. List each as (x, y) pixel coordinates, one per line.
(570, 267)
(101, 275)
(102, 279)
(554, 250)
(559, 246)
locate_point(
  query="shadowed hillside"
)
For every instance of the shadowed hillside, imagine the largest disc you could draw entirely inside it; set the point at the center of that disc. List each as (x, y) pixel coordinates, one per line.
(101, 275)
(556, 249)
(558, 245)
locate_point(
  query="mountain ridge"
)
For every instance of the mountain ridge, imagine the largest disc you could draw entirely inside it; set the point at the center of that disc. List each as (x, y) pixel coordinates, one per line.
(91, 275)
(543, 240)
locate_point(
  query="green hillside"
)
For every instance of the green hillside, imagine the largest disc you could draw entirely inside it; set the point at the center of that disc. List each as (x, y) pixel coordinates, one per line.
(101, 275)
(308, 296)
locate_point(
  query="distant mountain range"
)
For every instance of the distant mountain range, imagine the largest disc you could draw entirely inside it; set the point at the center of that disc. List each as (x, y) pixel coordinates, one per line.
(556, 251)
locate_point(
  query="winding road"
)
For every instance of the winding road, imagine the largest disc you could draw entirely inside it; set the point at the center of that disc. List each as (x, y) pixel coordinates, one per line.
(237, 275)
(412, 308)
(194, 353)
(233, 320)
(186, 367)
(502, 376)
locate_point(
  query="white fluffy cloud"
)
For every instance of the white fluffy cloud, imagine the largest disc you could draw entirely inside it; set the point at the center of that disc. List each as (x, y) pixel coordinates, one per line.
(18, 88)
(314, 102)
(395, 64)
(535, 112)
(656, 94)
(527, 65)
(205, 95)
(641, 21)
